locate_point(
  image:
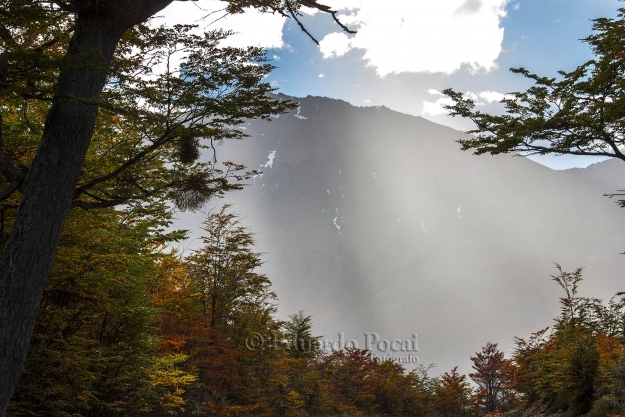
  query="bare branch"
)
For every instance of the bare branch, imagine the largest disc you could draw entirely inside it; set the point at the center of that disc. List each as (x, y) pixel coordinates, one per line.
(301, 25)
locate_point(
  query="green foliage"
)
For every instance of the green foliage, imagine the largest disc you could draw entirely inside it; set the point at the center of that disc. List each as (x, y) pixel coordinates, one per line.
(527, 360)
(301, 342)
(33, 36)
(172, 96)
(426, 388)
(168, 384)
(94, 345)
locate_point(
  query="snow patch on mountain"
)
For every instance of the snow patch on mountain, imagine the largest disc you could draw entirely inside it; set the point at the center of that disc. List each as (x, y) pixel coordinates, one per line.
(337, 226)
(270, 158)
(298, 115)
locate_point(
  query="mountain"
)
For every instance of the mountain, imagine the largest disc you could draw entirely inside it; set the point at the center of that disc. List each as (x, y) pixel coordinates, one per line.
(374, 221)
(609, 175)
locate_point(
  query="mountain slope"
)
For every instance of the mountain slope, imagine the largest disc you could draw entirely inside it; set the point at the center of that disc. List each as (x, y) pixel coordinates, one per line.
(609, 174)
(375, 222)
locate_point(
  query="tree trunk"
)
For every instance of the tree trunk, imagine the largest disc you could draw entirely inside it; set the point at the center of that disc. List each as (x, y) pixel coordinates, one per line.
(52, 179)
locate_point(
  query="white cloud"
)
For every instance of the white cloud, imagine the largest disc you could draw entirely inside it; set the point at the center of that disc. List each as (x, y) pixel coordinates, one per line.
(321, 75)
(310, 11)
(434, 92)
(396, 35)
(252, 27)
(334, 45)
(419, 36)
(486, 97)
(491, 96)
(436, 108)
(517, 6)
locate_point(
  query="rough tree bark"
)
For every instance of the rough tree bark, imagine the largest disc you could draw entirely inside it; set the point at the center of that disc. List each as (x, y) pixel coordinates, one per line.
(54, 174)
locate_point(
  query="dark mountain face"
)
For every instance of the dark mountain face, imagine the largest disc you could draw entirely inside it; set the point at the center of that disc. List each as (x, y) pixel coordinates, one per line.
(375, 222)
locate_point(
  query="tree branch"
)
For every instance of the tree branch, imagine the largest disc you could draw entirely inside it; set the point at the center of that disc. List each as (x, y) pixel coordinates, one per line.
(12, 187)
(130, 162)
(301, 25)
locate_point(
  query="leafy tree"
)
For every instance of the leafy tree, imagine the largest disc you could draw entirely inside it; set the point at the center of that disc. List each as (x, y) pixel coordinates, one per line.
(426, 387)
(527, 360)
(573, 357)
(221, 274)
(64, 52)
(569, 367)
(349, 372)
(301, 342)
(396, 391)
(578, 113)
(492, 377)
(213, 306)
(355, 380)
(453, 395)
(295, 387)
(578, 365)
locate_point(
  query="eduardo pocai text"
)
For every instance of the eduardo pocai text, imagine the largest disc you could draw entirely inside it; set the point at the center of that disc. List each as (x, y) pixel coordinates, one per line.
(398, 350)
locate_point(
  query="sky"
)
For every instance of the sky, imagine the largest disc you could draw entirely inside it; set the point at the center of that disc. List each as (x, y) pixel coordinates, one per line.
(406, 51)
